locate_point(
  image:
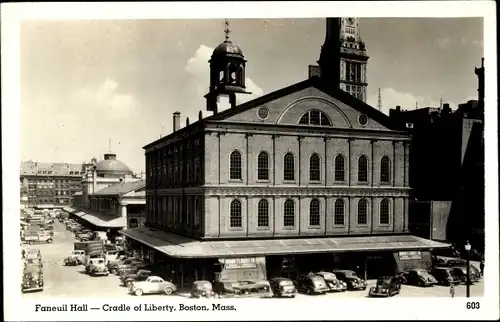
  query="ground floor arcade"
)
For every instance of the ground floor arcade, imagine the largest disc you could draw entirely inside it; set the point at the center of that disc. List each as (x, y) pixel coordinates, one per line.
(184, 260)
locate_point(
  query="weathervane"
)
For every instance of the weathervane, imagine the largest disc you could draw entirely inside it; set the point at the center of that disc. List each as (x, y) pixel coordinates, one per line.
(226, 29)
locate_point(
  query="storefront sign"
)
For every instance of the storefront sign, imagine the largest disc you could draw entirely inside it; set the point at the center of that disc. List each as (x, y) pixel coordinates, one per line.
(410, 255)
(232, 263)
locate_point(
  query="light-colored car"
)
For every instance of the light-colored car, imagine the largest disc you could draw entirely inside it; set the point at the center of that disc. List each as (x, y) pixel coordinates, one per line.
(152, 285)
(79, 255)
(97, 266)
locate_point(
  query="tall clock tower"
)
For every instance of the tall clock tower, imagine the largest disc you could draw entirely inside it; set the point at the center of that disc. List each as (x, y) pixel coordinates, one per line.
(343, 56)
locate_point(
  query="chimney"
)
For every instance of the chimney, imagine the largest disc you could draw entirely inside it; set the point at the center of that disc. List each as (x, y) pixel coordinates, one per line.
(200, 116)
(177, 121)
(398, 108)
(187, 121)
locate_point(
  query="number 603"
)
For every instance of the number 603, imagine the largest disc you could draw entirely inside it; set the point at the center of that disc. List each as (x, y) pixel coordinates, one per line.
(473, 305)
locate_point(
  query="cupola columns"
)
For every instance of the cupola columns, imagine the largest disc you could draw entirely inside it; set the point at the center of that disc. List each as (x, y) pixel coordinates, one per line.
(227, 72)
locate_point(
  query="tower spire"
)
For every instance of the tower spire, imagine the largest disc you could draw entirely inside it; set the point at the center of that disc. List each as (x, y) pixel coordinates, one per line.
(441, 103)
(416, 105)
(379, 102)
(227, 31)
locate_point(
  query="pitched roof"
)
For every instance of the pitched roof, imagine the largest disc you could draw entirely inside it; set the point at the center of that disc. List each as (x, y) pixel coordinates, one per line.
(313, 81)
(120, 189)
(51, 169)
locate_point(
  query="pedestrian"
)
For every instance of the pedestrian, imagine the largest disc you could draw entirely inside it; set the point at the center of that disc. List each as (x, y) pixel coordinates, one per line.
(481, 266)
(452, 290)
(23, 253)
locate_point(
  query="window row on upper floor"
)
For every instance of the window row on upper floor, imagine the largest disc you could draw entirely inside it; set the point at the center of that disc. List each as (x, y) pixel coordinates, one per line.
(289, 167)
(289, 211)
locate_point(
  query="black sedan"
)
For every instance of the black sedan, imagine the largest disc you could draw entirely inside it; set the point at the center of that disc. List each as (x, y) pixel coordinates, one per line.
(282, 287)
(387, 286)
(419, 276)
(351, 279)
(311, 284)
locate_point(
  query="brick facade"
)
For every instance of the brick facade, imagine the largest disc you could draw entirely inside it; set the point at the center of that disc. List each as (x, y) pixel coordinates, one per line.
(198, 203)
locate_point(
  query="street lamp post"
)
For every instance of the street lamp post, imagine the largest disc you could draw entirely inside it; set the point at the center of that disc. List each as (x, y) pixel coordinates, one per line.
(467, 283)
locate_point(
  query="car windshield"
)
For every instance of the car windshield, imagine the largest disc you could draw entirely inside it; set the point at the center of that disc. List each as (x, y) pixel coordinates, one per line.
(203, 285)
(384, 281)
(350, 274)
(286, 283)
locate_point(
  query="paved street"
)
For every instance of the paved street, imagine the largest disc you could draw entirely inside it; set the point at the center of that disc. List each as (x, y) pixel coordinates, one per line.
(72, 282)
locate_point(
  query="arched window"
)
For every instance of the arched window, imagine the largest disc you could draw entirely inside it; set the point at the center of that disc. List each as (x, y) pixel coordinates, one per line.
(384, 212)
(289, 167)
(263, 213)
(339, 212)
(133, 223)
(263, 166)
(314, 174)
(385, 169)
(362, 210)
(314, 213)
(235, 165)
(235, 216)
(339, 168)
(289, 213)
(315, 117)
(363, 169)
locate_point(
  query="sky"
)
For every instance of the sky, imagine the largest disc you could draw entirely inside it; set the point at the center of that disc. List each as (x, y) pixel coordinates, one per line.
(89, 86)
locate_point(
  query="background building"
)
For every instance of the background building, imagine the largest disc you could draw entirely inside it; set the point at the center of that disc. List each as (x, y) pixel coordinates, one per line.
(49, 185)
(447, 170)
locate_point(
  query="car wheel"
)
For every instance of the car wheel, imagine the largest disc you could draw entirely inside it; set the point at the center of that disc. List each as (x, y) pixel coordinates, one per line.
(168, 290)
(138, 292)
(364, 288)
(293, 296)
(49, 241)
(128, 283)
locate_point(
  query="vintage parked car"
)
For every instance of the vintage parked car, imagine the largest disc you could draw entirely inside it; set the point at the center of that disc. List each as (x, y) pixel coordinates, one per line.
(32, 279)
(96, 266)
(71, 261)
(448, 261)
(419, 276)
(461, 272)
(202, 289)
(311, 284)
(139, 276)
(446, 275)
(114, 268)
(245, 288)
(351, 279)
(152, 285)
(283, 287)
(33, 253)
(386, 286)
(332, 282)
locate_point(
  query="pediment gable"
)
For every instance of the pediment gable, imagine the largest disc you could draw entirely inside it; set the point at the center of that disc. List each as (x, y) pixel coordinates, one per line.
(337, 108)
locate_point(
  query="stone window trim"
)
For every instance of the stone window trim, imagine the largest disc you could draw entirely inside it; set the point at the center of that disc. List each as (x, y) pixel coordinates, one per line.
(314, 168)
(385, 212)
(263, 166)
(363, 169)
(289, 214)
(315, 213)
(362, 213)
(339, 213)
(339, 168)
(235, 166)
(235, 215)
(263, 214)
(385, 170)
(289, 167)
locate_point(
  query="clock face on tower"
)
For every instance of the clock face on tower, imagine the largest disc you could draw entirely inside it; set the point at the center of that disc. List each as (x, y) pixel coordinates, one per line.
(350, 21)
